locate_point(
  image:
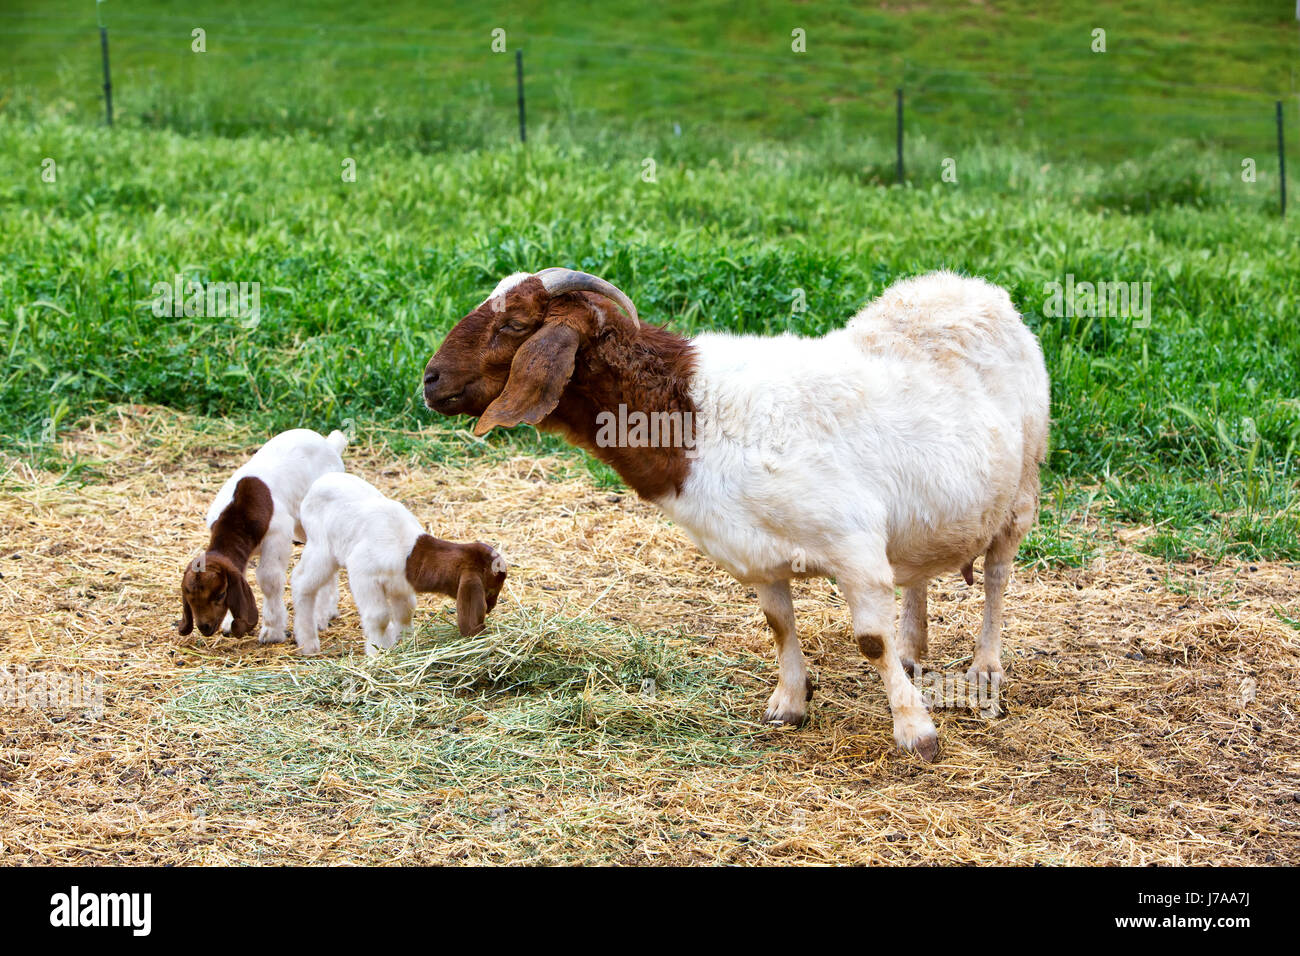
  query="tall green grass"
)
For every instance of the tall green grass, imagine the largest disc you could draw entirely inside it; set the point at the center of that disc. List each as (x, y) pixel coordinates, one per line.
(1193, 421)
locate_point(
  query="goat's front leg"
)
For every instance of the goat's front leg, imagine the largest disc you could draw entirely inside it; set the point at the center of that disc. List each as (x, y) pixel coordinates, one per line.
(789, 702)
(870, 595)
(372, 605)
(272, 568)
(401, 608)
(327, 606)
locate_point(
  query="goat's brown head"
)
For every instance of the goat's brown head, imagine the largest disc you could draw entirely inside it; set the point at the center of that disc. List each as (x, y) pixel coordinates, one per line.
(479, 587)
(211, 586)
(473, 574)
(510, 359)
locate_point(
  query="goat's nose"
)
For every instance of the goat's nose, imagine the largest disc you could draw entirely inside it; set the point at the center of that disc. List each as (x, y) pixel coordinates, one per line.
(431, 376)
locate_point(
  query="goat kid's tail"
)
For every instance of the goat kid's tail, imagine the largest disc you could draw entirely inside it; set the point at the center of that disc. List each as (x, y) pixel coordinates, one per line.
(337, 440)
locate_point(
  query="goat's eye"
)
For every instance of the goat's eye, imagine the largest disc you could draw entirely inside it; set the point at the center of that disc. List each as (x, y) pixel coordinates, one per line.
(514, 326)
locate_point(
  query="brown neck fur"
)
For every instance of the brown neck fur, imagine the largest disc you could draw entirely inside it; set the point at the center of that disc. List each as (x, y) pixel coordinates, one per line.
(243, 524)
(646, 369)
(435, 565)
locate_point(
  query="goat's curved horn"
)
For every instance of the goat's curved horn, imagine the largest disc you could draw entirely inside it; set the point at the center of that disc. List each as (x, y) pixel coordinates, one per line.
(557, 280)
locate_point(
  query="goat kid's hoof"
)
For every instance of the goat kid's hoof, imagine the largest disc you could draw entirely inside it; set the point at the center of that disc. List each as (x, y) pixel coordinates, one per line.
(269, 635)
(309, 650)
(918, 737)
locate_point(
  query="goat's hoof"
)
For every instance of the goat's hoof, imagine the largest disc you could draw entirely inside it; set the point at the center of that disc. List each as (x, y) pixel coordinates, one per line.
(309, 650)
(269, 635)
(989, 672)
(784, 707)
(918, 736)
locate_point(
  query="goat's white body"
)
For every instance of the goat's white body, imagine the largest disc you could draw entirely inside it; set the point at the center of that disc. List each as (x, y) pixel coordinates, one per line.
(913, 426)
(901, 446)
(350, 524)
(288, 464)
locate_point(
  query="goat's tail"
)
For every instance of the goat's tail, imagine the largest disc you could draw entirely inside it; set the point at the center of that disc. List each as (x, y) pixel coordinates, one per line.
(337, 440)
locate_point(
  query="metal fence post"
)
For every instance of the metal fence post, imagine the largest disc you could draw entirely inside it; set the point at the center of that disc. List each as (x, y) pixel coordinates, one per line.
(108, 83)
(900, 135)
(1281, 159)
(519, 86)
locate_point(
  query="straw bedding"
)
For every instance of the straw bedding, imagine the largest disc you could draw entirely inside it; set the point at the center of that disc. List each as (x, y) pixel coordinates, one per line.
(609, 712)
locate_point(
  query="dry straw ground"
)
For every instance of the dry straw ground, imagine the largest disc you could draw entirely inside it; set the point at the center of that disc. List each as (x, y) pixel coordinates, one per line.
(1150, 717)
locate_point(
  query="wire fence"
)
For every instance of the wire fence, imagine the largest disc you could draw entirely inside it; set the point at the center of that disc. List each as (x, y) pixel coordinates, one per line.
(434, 85)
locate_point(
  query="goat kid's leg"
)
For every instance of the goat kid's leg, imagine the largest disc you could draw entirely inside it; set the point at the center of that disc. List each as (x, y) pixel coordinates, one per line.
(789, 702)
(272, 568)
(372, 604)
(401, 608)
(327, 604)
(315, 572)
(913, 629)
(870, 595)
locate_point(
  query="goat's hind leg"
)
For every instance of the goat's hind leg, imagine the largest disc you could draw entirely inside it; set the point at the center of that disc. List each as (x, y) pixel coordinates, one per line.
(316, 571)
(998, 559)
(913, 629)
(789, 702)
(272, 569)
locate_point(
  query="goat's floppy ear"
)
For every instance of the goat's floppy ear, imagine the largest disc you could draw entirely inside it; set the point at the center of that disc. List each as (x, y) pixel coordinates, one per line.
(538, 375)
(471, 604)
(240, 602)
(187, 617)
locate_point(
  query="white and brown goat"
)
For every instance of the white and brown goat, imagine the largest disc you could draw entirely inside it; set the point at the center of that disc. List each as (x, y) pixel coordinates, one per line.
(389, 560)
(256, 512)
(892, 450)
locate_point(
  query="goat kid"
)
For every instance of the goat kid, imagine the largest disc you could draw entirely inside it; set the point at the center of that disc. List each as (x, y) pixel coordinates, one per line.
(897, 448)
(389, 560)
(256, 512)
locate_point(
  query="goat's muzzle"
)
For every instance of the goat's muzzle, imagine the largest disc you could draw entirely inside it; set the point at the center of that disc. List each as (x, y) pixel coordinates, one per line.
(440, 395)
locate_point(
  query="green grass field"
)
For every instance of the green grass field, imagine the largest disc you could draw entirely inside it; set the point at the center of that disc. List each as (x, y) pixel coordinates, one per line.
(425, 75)
(227, 166)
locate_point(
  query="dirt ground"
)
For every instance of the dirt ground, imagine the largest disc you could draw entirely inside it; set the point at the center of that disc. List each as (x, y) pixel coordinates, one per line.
(1150, 716)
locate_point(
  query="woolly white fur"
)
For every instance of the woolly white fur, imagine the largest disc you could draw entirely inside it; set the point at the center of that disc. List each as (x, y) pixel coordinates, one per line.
(350, 524)
(907, 431)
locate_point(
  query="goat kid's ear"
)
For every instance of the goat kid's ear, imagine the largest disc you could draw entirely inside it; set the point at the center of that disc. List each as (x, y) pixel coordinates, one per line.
(471, 604)
(187, 618)
(241, 604)
(538, 375)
